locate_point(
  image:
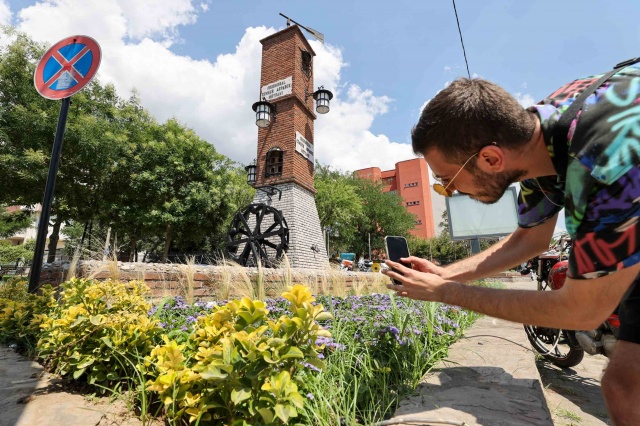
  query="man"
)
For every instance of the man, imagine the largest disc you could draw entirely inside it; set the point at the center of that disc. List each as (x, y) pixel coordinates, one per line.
(477, 140)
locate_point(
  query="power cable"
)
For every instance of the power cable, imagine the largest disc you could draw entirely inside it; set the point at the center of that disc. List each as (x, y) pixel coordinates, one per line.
(461, 42)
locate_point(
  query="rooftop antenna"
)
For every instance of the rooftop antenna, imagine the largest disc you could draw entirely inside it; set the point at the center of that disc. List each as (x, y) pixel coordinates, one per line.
(317, 34)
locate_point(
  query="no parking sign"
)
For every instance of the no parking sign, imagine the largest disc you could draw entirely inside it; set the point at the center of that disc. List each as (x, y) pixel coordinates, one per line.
(67, 67)
(64, 70)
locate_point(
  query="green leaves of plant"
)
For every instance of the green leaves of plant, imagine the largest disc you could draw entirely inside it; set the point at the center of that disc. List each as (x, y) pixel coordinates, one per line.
(239, 395)
(237, 364)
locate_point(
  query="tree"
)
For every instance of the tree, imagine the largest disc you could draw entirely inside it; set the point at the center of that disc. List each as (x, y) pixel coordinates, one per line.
(13, 222)
(384, 213)
(357, 209)
(338, 203)
(172, 183)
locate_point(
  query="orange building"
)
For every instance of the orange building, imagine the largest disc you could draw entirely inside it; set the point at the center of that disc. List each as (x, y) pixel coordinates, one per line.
(410, 179)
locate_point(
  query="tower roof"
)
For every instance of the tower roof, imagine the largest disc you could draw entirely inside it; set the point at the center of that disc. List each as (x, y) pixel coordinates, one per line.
(293, 28)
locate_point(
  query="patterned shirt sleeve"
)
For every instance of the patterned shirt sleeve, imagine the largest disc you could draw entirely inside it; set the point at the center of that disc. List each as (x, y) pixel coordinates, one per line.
(534, 207)
(607, 237)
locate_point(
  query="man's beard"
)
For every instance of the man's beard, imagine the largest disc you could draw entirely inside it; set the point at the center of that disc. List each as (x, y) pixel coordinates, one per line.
(493, 186)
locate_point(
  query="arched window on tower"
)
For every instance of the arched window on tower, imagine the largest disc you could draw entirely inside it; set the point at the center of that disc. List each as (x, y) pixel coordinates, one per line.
(274, 162)
(306, 62)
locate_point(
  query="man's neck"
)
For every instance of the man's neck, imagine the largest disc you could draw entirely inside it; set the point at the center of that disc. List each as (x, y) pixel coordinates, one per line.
(535, 158)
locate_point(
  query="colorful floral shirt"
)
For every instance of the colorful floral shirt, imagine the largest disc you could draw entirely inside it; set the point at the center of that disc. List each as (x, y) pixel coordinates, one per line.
(601, 191)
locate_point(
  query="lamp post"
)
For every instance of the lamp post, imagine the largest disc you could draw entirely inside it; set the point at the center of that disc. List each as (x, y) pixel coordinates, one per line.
(251, 173)
(322, 97)
(265, 111)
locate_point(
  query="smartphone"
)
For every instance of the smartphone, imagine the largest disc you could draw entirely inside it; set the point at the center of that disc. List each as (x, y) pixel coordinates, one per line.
(397, 248)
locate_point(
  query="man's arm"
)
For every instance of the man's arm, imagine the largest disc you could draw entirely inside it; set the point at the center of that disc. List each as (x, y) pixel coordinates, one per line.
(522, 245)
(578, 305)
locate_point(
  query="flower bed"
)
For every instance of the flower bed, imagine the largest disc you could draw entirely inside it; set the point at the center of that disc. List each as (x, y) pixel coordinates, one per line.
(294, 359)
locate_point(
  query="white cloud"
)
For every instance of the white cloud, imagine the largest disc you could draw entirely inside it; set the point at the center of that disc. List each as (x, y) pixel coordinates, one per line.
(5, 13)
(148, 18)
(344, 139)
(525, 99)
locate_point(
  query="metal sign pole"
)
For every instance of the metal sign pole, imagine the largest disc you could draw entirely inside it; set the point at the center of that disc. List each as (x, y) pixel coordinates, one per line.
(43, 225)
(475, 245)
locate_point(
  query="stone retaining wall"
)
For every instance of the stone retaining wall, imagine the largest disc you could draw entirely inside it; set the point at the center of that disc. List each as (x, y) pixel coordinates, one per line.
(205, 282)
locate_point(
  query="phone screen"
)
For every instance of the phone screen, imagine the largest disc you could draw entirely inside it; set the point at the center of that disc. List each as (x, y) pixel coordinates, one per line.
(397, 248)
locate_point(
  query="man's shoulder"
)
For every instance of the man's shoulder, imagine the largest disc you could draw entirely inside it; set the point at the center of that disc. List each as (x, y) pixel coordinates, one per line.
(601, 137)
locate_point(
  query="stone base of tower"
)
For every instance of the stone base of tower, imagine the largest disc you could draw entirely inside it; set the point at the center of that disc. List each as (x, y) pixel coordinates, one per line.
(306, 242)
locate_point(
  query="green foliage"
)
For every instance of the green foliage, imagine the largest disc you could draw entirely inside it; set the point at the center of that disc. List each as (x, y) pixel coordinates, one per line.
(21, 313)
(238, 367)
(241, 363)
(384, 214)
(356, 208)
(153, 183)
(10, 253)
(382, 347)
(339, 205)
(11, 223)
(98, 331)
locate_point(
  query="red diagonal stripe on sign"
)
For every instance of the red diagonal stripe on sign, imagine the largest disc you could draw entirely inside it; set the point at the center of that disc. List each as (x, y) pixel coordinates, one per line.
(68, 66)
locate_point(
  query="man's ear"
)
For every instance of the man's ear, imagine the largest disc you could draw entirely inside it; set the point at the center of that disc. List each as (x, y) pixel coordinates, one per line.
(491, 158)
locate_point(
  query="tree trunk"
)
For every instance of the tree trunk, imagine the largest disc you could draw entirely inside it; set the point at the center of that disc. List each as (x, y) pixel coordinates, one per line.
(167, 243)
(53, 240)
(132, 250)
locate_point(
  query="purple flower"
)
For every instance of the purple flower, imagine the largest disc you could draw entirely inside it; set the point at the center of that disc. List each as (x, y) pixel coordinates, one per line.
(310, 396)
(311, 367)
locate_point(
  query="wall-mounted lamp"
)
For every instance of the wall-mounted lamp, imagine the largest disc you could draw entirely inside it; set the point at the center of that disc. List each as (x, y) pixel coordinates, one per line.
(265, 111)
(322, 97)
(251, 173)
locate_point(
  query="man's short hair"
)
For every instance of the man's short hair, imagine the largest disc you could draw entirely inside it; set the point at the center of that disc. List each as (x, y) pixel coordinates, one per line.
(468, 115)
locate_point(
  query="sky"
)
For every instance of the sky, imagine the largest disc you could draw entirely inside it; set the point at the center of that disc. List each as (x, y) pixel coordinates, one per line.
(199, 60)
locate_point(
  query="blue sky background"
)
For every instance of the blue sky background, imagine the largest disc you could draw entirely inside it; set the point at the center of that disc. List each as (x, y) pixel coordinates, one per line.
(408, 50)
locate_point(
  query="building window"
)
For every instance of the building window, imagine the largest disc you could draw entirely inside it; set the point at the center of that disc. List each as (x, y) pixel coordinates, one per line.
(274, 162)
(409, 185)
(413, 203)
(419, 222)
(306, 63)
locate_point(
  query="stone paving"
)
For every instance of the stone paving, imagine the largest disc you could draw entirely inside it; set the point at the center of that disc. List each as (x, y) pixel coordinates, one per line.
(491, 377)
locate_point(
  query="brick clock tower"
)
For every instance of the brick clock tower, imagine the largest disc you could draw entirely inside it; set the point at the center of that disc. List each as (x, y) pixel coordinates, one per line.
(284, 164)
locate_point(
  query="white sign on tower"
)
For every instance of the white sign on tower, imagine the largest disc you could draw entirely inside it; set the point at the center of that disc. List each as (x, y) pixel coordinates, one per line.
(276, 90)
(304, 147)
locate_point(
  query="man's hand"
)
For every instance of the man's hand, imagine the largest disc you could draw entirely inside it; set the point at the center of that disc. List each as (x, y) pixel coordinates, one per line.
(420, 283)
(423, 265)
